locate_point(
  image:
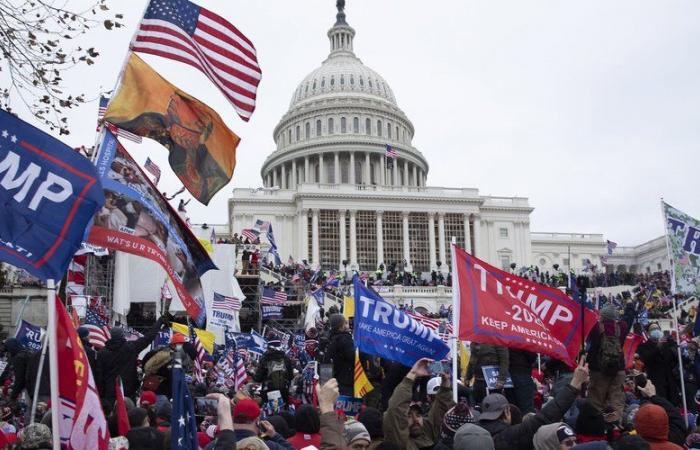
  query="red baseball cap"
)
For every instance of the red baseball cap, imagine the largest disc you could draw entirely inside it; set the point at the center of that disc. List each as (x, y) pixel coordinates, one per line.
(148, 397)
(246, 409)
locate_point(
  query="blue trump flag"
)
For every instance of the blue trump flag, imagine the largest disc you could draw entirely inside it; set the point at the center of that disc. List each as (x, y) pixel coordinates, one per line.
(382, 329)
(48, 195)
(29, 336)
(183, 424)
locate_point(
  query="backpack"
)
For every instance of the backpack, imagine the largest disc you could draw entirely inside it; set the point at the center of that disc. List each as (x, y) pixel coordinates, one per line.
(276, 374)
(610, 351)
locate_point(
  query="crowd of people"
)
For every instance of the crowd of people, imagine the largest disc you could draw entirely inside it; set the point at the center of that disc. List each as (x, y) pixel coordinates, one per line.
(284, 401)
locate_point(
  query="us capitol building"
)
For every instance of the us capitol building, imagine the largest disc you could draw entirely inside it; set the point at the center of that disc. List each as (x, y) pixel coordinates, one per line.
(332, 194)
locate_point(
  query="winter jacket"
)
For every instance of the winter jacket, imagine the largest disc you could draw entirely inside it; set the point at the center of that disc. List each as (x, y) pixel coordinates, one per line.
(118, 358)
(519, 437)
(44, 379)
(487, 355)
(158, 362)
(20, 365)
(660, 361)
(332, 432)
(521, 361)
(302, 440)
(341, 350)
(652, 424)
(262, 374)
(395, 421)
(277, 442)
(677, 429)
(595, 339)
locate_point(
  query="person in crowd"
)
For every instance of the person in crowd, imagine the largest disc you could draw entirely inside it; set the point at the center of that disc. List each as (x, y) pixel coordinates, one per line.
(472, 437)
(19, 361)
(274, 371)
(660, 358)
(455, 417)
(607, 362)
(662, 422)
(90, 351)
(496, 417)
(554, 436)
(520, 364)
(404, 424)
(341, 351)
(371, 418)
(118, 359)
(35, 436)
(246, 423)
(157, 364)
(486, 355)
(308, 428)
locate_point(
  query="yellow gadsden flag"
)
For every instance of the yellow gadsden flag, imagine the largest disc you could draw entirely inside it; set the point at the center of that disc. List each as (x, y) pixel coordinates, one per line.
(362, 384)
(202, 149)
(205, 337)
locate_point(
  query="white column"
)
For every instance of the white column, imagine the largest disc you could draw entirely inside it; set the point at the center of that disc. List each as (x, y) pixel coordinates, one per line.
(527, 241)
(343, 238)
(441, 240)
(321, 170)
(419, 178)
(395, 165)
(431, 240)
(476, 251)
(382, 171)
(380, 238)
(467, 235)
(406, 245)
(307, 178)
(303, 225)
(275, 181)
(315, 251)
(353, 238)
(415, 175)
(294, 174)
(368, 169)
(405, 173)
(491, 241)
(517, 244)
(336, 167)
(283, 175)
(351, 177)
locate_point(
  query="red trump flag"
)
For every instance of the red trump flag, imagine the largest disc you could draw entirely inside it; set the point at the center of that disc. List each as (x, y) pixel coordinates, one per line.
(495, 307)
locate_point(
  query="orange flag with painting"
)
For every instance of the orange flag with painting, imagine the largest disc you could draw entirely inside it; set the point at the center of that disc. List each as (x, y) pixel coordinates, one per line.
(202, 148)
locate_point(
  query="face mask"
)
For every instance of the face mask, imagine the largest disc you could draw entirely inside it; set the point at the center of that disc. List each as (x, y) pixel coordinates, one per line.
(178, 347)
(656, 334)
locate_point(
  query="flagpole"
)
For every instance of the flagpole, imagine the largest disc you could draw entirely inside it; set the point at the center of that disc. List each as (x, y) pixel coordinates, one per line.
(42, 358)
(675, 310)
(52, 336)
(455, 316)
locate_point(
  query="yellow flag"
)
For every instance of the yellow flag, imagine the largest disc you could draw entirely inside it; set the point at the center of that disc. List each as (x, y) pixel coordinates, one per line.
(362, 384)
(202, 148)
(205, 337)
(206, 243)
(464, 359)
(348, 307)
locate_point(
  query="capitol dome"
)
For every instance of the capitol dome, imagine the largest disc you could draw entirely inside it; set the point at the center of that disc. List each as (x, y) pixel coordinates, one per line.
(344, 115)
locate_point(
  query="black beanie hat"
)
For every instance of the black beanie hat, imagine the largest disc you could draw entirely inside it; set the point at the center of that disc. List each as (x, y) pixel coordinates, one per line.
(136, 417)
(336, 321)
(307, 420)
(590, 421)
(281, 426)
(371, 418)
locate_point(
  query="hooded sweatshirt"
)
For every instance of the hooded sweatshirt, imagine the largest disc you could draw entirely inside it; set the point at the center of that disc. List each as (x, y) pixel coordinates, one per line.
(546, 437)
(651, 423)
(472, 437)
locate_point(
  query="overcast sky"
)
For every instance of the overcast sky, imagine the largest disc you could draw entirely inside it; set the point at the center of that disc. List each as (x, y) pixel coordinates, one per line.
(590, 109)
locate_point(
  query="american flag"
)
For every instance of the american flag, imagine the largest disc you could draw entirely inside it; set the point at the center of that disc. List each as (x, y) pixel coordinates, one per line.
(225, 303)
(273, 297)
(251, 234)
(230, 369)
(96, 324)
(185, 32)
(604, 260)
(165, 292)
(391, 152)
(611, 246)
(201, 355)
(153, 168)
(262, 225)
(104, 101)
(435, 325)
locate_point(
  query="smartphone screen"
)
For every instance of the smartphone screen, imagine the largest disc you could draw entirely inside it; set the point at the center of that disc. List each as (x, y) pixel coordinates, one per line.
(205, 406)
(325, 373)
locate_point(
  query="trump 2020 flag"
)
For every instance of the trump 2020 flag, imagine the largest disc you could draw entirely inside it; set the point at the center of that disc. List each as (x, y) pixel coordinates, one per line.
(29, 336)
(48, 194)
(683, 237)
(183, 423)
(384, 330)
(82, 424)
(496, 307)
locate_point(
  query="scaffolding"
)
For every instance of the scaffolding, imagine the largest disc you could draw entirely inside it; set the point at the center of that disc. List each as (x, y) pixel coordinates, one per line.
(99, 278)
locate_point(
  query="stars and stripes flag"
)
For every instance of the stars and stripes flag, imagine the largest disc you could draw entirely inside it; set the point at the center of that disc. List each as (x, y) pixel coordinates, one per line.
(96, 323)
(252, 234)
(442, 328)
(262, 225)
(153, 169)
(186, 32)
(198, 372)
(222, 302)
(75, 278)
(271, 296)
(183, 423)
(611, 246)
(165, 293)
(391, 152)
(104, 101)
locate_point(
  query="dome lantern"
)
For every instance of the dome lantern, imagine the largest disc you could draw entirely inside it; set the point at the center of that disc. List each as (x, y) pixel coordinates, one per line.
(342, 34)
